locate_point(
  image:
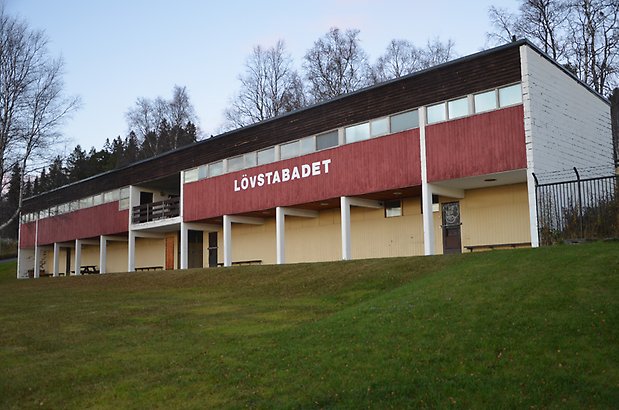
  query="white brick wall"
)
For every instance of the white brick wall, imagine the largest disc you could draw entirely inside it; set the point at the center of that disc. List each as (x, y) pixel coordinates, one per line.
(566, 125)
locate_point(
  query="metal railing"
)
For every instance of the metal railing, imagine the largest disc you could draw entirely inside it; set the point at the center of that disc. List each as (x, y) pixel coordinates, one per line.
(578, 209)
(155, 211)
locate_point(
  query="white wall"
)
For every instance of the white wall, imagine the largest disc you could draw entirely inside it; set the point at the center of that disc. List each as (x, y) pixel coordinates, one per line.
(566, 125)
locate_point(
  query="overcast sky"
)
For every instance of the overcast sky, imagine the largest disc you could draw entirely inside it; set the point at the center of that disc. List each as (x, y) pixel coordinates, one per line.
(118, 50)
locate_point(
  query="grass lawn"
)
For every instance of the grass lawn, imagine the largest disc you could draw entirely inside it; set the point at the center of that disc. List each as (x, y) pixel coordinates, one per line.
(504, 329)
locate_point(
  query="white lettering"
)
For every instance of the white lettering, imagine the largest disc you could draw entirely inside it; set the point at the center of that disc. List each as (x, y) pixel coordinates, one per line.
(306, 170)
(284, 175)
(244, 183)
(295, 174)
(315, 168)
(325, 163)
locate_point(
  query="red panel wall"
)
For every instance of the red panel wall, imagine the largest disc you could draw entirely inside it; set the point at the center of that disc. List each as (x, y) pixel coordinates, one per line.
(26, 235)
(476, 145)
(369, 166)
(103, 219)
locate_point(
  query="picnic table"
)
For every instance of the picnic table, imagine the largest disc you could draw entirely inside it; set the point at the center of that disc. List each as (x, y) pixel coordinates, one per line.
(88, 269)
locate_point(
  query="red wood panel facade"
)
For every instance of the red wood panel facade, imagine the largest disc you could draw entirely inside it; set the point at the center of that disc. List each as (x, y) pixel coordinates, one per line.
(476, 145)
(98, 220)
(369, 166)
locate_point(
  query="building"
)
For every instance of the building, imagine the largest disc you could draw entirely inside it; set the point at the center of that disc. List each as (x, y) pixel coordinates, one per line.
(439, 161)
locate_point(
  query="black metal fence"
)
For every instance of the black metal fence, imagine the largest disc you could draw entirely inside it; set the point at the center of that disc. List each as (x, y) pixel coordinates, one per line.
(578, 209)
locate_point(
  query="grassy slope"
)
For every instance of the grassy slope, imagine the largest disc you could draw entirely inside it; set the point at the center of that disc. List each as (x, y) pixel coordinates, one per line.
(500, 329)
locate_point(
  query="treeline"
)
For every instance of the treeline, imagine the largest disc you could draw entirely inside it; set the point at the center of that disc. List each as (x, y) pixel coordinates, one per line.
(80, 164)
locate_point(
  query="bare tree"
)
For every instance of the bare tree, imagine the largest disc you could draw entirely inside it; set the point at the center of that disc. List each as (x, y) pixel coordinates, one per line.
(270, 86)
(437, 52)
(594, 42)
(32, 103)
(148, 117)
(402, 57)
(583, 35)
(336, 65)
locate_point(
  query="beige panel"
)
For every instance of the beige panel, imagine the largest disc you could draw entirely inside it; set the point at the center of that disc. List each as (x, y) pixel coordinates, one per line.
(495, 215)
(117, 256)
(252, 242)
(319, 239)
(149, 252)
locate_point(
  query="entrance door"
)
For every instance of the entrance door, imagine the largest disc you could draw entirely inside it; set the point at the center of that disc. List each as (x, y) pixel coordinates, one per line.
(452, 240)
(67, 262)
(146, 198)
(212, 249)
(195, 251)
(169, 251)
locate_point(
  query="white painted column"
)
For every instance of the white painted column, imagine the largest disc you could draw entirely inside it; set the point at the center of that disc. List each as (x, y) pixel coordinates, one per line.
(227, 241)
(102, 254)
(37, 254)
(280, 228)
(131, 254)
(37, 261)
(78, 256)
(426, 190)
(56, 259)
(428, 219)
(345, 210)
(532, 197)
(184, 244)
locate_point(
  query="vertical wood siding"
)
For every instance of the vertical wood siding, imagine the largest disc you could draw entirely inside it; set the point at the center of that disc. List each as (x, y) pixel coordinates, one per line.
(369, 166)
(476, 145)
(104, 219)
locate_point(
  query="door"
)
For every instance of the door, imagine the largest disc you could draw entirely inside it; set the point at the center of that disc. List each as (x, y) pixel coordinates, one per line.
(452, 240)
(146, 198)
(196, 253)
(67, 262)
(212, 249)
(169, 251)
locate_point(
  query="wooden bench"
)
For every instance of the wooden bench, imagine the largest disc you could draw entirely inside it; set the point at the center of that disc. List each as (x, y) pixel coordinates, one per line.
(88, 269)
(145, 268)
(493, 246)
(248, 262)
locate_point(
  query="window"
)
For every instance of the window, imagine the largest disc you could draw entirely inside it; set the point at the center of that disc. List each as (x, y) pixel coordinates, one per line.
(307, 145)
(191, 175)
(97, 199)
(250, 159)
(289, 150)
(327, 140)
(393, 208)
(215, 168)
(266, 156)
(379, 127)
(458, 108)
(436, 113)
(85, 202)
(236, 163)
(485, 101)
(404, 121)
(510, 95)
(124, 199)
(111, 196)
(357, 132)
(436, 206)
(202, 171)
